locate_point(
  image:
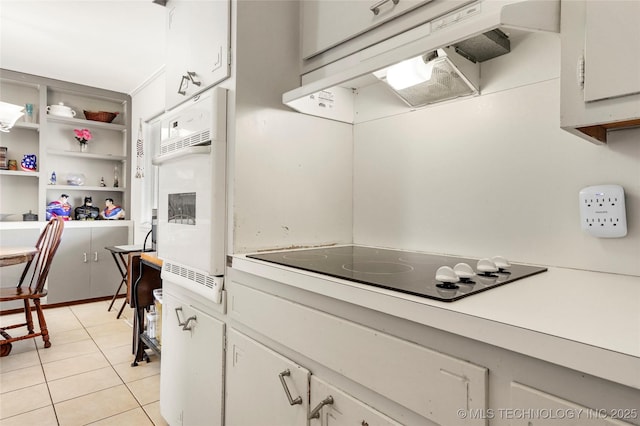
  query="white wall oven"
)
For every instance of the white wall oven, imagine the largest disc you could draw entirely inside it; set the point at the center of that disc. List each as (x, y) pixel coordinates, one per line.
(191, 194)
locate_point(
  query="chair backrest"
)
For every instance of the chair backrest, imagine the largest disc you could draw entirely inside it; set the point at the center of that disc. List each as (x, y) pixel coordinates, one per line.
(47, 245)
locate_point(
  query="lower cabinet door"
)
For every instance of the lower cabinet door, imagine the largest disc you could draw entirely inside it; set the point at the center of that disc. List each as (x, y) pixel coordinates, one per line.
(175, 360)
(105, 277)
(70, 274)
(205, 369)
(191, 379)
(261, 385)
(337, 408)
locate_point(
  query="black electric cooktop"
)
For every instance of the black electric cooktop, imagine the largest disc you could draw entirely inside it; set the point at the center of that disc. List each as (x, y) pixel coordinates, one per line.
(406, 272)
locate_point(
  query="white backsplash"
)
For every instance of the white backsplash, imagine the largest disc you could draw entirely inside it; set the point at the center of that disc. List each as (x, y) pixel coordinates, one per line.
(492, 175)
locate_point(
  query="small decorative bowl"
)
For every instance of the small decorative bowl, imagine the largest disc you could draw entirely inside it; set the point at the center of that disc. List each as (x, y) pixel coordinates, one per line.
(103, 116)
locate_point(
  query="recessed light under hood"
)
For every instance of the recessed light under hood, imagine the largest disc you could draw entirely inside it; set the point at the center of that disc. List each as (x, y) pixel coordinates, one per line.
(432, 77)
(473, 32)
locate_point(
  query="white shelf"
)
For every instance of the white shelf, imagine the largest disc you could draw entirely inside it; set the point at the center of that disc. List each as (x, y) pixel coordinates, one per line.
(87, 123)
(86, 155)
(85, 188)
(19, 173)
(24, 125)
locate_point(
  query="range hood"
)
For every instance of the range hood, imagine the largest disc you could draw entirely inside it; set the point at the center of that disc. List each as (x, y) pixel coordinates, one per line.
(437, 76)
(466, 37)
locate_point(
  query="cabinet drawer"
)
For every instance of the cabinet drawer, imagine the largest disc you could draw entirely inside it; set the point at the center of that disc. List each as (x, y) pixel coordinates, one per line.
(532, 407)
(430, 383)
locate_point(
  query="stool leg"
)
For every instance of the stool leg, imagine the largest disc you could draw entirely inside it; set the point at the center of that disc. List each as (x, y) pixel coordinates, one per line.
(113, 299)
(122, 308)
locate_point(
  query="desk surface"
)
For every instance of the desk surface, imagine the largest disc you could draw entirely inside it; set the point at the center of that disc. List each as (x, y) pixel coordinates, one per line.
(15, 255)
(152, 257)
(124, 249)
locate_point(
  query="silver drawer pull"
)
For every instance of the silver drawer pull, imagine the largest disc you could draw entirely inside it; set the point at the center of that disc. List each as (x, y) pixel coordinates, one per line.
(292, 401)
(184, 324)
(376, 7)
(315, 413)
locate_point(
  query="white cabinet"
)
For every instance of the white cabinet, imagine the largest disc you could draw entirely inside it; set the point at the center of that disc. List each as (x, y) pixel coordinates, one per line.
(532, 407)
(191, 380)
(600, 75)
(337, 408)
(83, 268)
(327, 24)
(431, 384)
(281, 392)
(334, 29)
(262, 386)
(198, 46)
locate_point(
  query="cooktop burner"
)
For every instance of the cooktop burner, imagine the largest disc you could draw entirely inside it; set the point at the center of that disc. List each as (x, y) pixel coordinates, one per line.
(407, 272)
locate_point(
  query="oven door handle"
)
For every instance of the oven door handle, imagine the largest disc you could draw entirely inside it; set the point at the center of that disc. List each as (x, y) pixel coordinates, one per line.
(182, 152)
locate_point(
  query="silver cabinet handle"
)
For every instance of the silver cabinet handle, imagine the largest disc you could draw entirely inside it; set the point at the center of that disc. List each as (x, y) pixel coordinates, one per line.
(84, 257)
(315, 413)
(292, 401)
(191, 76)
(184, 324)
(376, 7)
(184, 82)
(182, 91)
(95, 256)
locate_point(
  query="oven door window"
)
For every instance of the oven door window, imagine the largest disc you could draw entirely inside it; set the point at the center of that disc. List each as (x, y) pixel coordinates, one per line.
(182, 208)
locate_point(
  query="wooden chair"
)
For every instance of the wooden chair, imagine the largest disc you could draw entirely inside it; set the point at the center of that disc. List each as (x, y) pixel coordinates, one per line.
(31, 287)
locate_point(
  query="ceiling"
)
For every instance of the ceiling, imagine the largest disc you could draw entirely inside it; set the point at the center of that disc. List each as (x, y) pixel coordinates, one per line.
(111, 44)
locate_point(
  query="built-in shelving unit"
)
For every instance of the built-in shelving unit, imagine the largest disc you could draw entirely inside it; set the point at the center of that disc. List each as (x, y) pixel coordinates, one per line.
(51, 138)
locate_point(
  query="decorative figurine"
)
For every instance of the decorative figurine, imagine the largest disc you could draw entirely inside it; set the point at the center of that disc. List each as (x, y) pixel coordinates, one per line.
(102, 184)
(53, 179)
(87, 211)
(111, 211)
(29, 163)
(115, 177)
(59, 208)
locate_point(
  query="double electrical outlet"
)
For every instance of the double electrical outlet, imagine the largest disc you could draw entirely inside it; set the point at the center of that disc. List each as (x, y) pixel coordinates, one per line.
(602, 211)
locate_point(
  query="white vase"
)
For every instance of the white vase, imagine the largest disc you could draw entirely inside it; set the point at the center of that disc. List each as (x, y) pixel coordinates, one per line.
(83, 147)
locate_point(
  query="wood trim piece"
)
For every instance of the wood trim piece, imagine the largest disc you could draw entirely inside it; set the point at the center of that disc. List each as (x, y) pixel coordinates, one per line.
(599, 131)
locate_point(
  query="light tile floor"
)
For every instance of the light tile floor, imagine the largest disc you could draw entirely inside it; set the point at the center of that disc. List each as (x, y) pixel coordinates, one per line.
(85, 377)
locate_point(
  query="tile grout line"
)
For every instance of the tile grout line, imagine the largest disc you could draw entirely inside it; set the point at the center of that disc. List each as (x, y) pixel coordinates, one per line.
(115, 371)
(101, 351)
(126, 320)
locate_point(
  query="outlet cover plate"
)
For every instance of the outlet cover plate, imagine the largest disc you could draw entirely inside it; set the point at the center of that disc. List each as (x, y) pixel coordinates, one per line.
(602, 211)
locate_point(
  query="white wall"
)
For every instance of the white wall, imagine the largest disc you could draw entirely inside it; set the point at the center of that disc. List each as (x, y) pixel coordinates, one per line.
(494, 174)
(292, 174)
(148, 101)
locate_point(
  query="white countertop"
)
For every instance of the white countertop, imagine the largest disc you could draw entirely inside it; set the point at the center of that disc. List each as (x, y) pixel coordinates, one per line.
(7, 225)
(587, 321)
